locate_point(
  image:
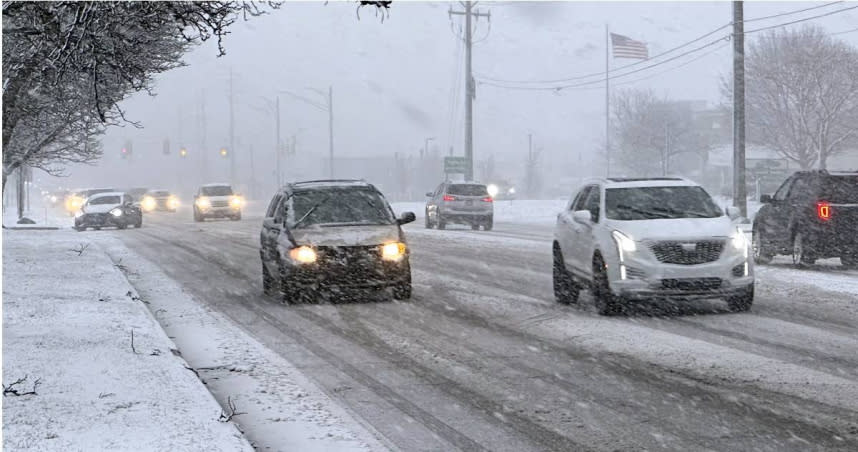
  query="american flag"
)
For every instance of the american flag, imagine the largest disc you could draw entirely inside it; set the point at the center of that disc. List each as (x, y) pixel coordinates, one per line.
(625, 47)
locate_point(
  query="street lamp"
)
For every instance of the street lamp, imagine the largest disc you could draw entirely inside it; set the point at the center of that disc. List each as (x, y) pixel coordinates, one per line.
(426, 146)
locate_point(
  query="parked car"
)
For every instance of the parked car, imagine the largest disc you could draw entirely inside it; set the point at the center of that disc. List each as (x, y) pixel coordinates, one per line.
(159, 199)
(217, 201)
(659, 238)
(460, 202)
(813, 215)
(333, 233)
(111, 209)
(77, 198)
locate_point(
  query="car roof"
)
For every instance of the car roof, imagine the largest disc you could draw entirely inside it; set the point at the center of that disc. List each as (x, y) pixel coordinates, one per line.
(465, 183)
(328, 183)
(109, 193)
(224, 184)
(631, 182)
(158, 189)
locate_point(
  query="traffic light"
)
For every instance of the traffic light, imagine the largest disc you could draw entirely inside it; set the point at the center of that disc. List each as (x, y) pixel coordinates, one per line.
(183, 153)
(223, 152)
(124, 153)
(166, 149)
(128, 149)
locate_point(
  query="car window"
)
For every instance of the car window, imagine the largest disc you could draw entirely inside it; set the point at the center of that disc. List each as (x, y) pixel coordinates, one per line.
(655, 203)
(801, 188)
(333, 207)
(781, 194)
(592, 203)
(272, 206)
(219, 190)
(467, 190)
(280, 209)
(105, 200)
(840, 189)
(581, 199)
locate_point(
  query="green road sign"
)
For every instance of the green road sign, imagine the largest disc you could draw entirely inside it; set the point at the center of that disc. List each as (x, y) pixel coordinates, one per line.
(455, 165)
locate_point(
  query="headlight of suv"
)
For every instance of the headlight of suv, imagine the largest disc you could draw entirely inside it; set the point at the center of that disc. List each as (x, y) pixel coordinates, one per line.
(203, 203)
(172, 202)
(116, 212)
(303, 255)
(624, 245)
(235, 202)
(393, 251)
(148, 203)
(740, 242)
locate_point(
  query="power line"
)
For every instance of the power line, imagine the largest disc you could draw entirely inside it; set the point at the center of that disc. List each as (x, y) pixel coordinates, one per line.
(800, 20)
(843, 32)
(666, 52)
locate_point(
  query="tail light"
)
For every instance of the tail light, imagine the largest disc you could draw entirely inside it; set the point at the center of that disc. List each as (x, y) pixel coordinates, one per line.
(823, 210)
(487, 199)
(449, 198)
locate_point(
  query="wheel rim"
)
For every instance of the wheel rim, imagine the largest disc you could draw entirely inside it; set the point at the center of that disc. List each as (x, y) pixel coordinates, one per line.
(797, 249)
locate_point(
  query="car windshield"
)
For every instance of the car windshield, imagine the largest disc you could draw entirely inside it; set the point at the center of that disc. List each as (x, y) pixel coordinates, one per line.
(105, 200)
(841, 189)
(218, 190)
(159, 193)
(651, 203)
(467, 190)
(339, 207)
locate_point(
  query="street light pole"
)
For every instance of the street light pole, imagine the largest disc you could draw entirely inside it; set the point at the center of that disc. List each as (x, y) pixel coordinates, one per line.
(277, 150)
(331, 127)
(426, 147)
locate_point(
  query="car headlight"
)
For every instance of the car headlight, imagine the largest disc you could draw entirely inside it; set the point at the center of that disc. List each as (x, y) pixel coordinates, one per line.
(235, 202)
(624, 243)
(303, 255)
(148, 203)
(116, 212)
(203, 203)
(53, 199)
(740, 242)
(393, 251)
(492, 189)
(173, 202)
(512, 190)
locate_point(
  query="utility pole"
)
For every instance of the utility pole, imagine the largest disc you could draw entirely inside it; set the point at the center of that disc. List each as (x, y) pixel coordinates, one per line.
(277, 148)
(231, 133)
(426, 147)
(739, 196)
(470, 91)
(252, 174)
(607, 103)
(331, 127)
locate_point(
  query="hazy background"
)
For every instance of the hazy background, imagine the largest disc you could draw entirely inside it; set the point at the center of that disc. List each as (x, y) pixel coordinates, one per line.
(399, 82)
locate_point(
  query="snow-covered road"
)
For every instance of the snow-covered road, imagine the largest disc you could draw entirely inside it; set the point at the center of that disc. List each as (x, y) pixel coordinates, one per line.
(483, 358)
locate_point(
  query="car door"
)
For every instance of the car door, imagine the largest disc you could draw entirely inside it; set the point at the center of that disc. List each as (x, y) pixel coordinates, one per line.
(585, 238)
(799, 201)
(270, 231)
(563, 230)
(773, 218)
(577, 232)
(432, 207)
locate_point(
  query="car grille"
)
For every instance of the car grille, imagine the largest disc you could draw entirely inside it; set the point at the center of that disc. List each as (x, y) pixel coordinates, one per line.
(676, 252)
(691, 284)
(351, 264)
(220, 203)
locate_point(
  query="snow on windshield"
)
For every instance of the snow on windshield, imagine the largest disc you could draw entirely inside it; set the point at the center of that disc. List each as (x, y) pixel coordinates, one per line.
(650, 203)
(350, 206)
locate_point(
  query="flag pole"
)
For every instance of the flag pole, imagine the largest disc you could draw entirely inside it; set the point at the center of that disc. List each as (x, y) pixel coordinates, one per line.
(607, 104)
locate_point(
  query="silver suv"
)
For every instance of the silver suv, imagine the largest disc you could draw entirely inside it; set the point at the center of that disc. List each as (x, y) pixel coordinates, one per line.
(460, 202)
(632, 239)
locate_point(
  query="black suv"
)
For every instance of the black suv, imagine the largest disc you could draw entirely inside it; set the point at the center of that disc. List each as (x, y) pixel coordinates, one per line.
(813, 215)
(333, 234)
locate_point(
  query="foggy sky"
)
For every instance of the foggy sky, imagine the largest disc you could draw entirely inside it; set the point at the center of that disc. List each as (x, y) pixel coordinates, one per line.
(394, 81)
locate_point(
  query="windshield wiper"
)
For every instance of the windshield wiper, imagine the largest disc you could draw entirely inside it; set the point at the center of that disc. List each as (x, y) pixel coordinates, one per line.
(675, 212)
(311, 210)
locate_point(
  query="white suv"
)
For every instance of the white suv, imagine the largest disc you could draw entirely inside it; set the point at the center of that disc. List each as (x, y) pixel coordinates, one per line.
(632, 239)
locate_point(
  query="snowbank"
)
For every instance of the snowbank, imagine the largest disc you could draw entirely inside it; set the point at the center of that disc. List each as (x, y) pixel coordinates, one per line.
(68, 319)
(520, 211)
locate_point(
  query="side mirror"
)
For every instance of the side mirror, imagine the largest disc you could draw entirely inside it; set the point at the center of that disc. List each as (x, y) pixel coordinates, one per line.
(429, 194)
(582, 216)
(406, 217)
(733, 212)
(766, 199)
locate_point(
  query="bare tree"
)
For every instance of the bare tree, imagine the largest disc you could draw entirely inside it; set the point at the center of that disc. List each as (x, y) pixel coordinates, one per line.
(67, 65)
(802, 95)
(650, 133)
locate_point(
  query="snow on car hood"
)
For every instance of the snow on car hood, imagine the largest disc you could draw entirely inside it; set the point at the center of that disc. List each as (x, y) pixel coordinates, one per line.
(675, 229)
(346, 235)
(99, 208)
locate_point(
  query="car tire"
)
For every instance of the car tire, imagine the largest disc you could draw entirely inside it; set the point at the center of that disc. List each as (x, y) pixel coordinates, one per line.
(475, 226)
(849, 261)
(762, 253)
(268, 284)
(402, 291)
(122, 226)
(801, 255)
(565, 289)
(428, 221)
(97, 228)
(487, 226)
(139, 223)
(606, 302)
(197, 216)
(441, 223)
(79, 228)
(741, 302)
